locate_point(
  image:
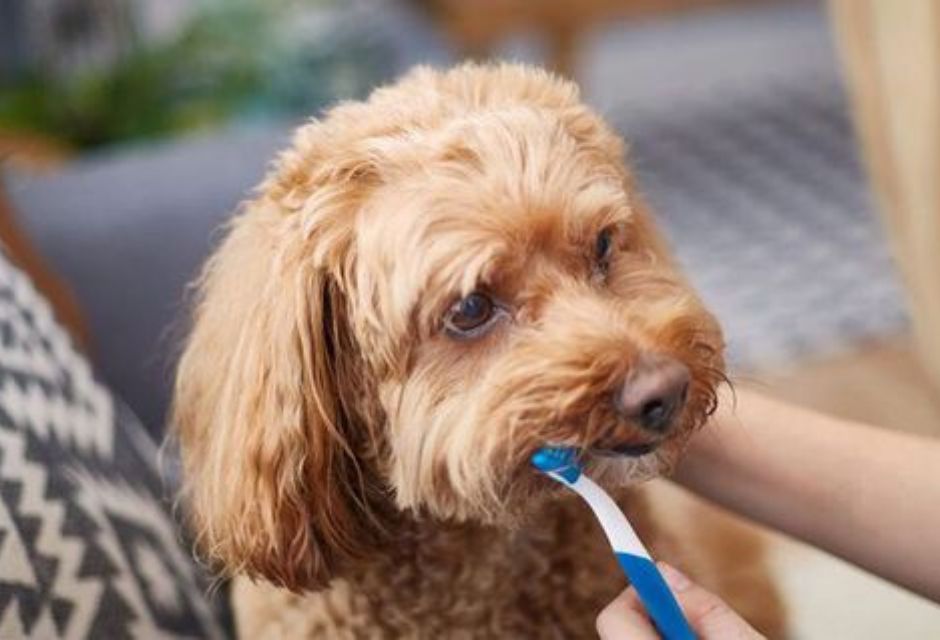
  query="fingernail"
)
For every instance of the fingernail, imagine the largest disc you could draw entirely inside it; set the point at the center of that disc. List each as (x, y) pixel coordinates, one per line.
(677, 580)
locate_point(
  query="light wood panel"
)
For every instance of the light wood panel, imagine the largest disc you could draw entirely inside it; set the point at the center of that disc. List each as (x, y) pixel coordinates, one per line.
(890, 51)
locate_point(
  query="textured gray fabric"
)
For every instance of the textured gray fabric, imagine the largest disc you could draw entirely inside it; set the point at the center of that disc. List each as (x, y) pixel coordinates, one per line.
(738, 131)
(740, 136)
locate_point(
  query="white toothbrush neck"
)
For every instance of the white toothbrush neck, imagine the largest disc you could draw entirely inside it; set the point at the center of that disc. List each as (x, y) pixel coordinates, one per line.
(616, 527)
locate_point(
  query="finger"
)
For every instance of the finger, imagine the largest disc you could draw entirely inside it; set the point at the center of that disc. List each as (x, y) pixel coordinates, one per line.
(707, 613)
(624, 617)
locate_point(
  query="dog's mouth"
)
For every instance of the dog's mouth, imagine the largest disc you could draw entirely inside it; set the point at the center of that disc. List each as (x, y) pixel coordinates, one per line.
(618, 442)
(629, 450)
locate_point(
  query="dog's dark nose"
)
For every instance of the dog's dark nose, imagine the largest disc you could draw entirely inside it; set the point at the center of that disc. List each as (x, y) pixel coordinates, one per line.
(654, 392)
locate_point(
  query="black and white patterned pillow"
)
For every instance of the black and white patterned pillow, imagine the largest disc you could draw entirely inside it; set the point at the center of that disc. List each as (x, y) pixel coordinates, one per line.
(87, 545)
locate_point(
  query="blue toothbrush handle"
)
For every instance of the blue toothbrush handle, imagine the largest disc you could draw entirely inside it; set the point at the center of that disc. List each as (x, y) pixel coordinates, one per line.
(656, 596)
(561, 464)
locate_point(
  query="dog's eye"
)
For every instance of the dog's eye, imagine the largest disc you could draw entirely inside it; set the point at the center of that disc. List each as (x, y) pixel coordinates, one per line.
(603, 248)
(469, 315)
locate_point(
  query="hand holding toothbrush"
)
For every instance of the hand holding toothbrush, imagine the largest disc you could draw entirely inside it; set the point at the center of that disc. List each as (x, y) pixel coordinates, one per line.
(661, 602)
(710, 617)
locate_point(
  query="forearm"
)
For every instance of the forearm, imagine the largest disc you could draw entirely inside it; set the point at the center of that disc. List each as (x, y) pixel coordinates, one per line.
(868, 495)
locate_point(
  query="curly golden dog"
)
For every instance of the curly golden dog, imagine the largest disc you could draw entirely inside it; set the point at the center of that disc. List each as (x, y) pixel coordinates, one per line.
(428, 286)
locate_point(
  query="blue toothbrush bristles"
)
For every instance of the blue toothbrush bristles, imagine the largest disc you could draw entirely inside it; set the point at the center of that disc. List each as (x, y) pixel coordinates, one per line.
(560, 460)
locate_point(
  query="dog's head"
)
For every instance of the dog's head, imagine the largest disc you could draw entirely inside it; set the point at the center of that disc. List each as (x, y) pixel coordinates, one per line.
(429, 286)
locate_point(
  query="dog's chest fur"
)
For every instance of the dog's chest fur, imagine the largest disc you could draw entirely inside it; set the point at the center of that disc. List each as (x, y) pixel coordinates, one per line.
(550, 580)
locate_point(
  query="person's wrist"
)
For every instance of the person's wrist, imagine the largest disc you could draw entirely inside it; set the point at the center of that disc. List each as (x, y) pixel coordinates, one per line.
(704, 448)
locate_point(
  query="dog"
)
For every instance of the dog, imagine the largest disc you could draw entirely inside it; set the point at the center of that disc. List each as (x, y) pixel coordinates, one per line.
(428, 286)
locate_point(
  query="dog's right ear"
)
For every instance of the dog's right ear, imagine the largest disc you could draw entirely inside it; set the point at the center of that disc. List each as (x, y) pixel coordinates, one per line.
(263, 403)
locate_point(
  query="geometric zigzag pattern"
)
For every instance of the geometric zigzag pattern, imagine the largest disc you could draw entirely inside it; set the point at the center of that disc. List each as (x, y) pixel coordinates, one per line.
(88, 548)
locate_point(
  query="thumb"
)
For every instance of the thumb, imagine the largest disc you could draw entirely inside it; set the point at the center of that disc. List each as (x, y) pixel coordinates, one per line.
(707, 613)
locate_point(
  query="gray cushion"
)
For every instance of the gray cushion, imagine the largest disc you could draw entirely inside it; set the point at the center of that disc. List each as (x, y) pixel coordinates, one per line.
(128, 231)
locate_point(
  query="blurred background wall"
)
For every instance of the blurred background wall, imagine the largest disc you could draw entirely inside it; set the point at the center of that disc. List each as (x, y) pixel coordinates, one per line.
(131, 129)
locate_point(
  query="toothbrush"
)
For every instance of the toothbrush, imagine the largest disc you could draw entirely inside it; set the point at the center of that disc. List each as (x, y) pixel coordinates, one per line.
(562, 465)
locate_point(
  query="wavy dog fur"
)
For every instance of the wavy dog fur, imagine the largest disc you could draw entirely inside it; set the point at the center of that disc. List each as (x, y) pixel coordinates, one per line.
(332, 430)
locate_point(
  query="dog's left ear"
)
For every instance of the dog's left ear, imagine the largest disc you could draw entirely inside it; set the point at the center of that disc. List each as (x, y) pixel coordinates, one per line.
(264, 406)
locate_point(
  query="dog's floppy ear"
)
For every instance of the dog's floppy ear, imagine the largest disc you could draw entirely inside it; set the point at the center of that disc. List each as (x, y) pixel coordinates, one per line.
(266, 428)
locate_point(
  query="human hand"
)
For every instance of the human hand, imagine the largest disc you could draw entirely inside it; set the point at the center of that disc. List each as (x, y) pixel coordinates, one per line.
(710, 618)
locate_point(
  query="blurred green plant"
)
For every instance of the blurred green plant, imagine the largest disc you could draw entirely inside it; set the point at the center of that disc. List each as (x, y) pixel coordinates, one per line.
(233, 59)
